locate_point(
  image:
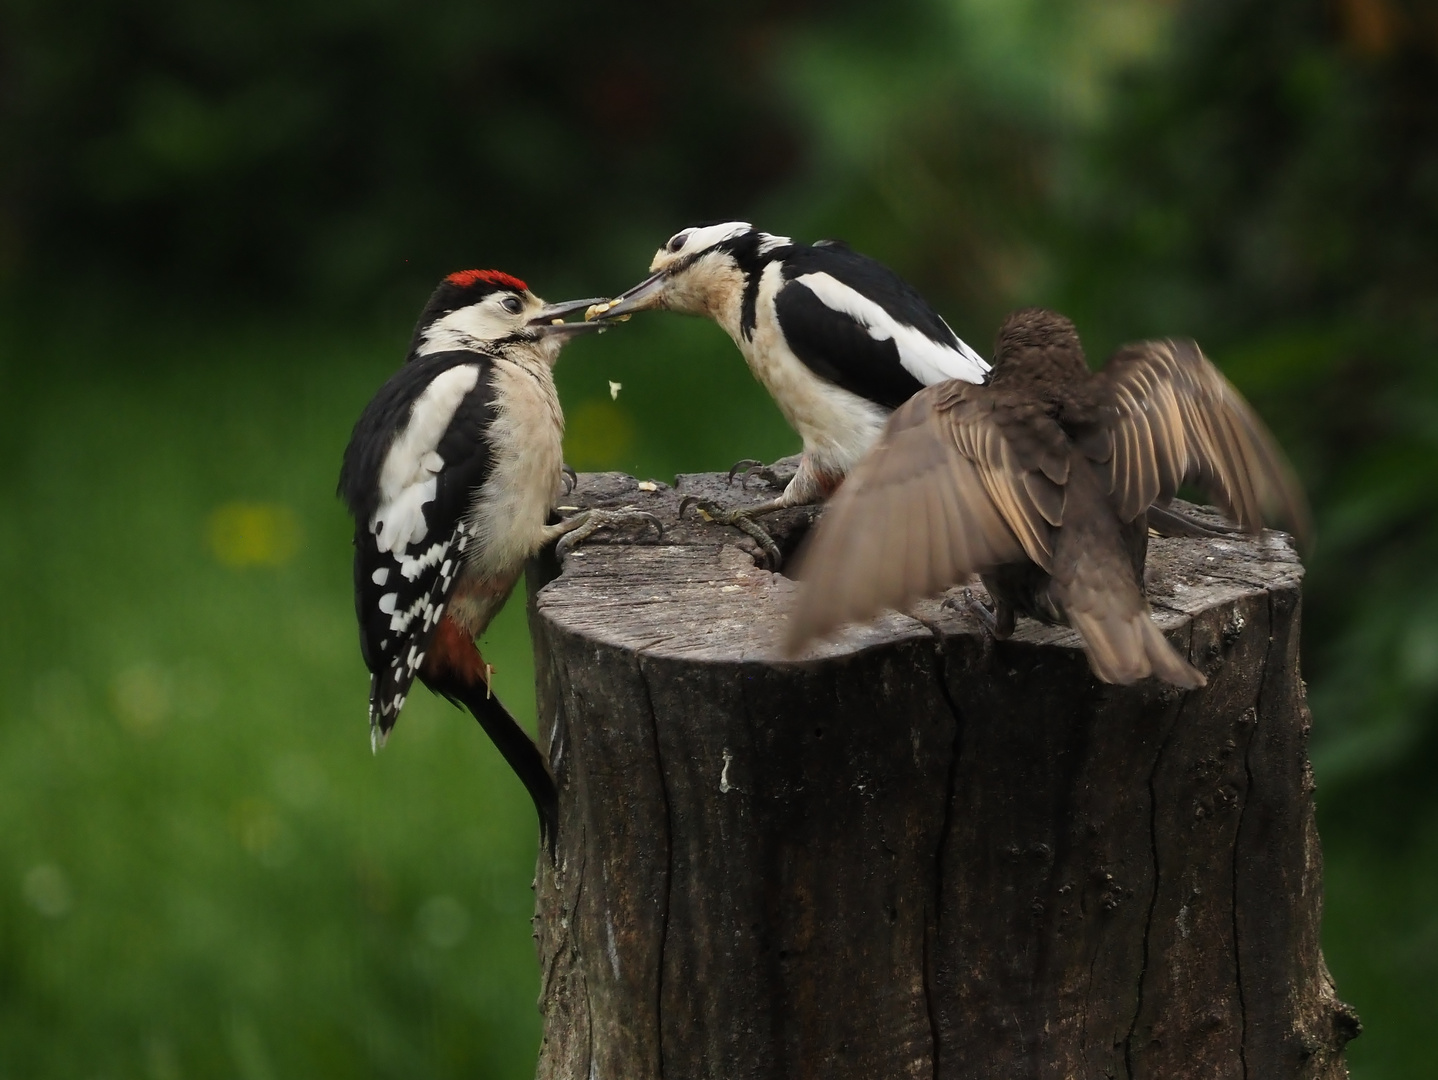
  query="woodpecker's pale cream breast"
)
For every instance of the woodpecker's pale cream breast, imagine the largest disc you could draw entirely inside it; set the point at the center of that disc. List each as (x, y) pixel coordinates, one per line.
(526, 439)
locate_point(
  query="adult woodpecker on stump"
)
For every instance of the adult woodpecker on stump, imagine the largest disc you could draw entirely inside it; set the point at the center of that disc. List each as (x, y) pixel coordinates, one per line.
(838, 339)
(452, 474)
(1042, 482)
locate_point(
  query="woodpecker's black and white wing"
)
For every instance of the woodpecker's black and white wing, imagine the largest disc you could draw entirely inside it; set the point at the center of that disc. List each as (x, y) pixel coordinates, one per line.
(410, 474)
(854, 322)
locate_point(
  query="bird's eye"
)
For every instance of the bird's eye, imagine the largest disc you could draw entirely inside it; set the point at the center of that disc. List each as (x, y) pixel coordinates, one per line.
(677, 241)
(511, 304)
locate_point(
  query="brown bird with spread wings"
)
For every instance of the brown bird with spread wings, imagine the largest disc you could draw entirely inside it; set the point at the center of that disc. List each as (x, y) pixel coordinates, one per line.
(1040, 482)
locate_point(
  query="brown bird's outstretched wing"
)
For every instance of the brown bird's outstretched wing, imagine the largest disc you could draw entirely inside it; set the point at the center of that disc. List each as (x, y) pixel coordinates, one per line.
(1179, 421)
(962, 479)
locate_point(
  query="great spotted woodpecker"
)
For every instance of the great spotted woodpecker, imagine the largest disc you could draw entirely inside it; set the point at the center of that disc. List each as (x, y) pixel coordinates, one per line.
(1042, 482)
(838, 339)
(451, 474)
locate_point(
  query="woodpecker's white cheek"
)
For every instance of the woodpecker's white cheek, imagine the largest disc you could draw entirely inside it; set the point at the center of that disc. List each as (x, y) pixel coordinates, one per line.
(925, 359)
(407, 480)
(712, 287)
(464, 328)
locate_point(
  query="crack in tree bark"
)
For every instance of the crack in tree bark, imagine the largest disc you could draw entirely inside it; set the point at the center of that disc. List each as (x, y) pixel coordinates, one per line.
(668, 856)
(1268, 658)
(941, 670)
(1157, 881)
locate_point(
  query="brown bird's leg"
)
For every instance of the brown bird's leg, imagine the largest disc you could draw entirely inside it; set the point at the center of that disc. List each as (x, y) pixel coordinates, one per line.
(998, 620)
(454, 667)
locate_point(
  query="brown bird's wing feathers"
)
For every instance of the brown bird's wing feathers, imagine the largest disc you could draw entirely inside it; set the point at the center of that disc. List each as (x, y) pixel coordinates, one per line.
(1180, 421)
(964, 479)
(951, 488)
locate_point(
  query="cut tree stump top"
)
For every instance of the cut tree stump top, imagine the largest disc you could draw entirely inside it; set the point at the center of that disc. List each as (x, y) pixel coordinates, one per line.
(698, 593)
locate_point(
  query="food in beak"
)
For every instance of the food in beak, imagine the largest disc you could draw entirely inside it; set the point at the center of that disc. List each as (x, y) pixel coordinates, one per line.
(594, 311)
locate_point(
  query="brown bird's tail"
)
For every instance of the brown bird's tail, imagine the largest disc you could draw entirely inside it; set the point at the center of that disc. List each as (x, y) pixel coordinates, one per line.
(1096, 584)
(1126, 650)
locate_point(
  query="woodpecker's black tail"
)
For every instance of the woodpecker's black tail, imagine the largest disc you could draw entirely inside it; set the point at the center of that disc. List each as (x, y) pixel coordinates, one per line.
(518, 750)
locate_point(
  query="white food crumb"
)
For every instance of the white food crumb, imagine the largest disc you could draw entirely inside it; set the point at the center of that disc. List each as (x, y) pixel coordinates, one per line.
(614, 389)
(648, 485)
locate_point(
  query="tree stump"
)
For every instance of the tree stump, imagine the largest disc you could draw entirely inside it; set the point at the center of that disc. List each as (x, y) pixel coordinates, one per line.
(920, 853)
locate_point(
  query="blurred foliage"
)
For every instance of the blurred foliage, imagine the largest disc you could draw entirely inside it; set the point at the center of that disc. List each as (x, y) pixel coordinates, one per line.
(321, 151)
(216, 224)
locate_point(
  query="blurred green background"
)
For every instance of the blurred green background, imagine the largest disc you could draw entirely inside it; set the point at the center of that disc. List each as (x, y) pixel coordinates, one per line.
(217, 223)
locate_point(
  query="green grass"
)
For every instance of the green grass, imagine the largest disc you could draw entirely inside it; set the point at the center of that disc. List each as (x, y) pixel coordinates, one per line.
(203, 870)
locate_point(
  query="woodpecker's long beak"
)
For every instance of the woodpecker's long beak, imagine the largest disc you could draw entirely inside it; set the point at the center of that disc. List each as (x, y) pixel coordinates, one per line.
(549, 320)
(647, 294)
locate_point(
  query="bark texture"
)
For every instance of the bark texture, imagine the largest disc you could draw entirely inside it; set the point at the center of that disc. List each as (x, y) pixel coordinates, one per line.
(920, 853)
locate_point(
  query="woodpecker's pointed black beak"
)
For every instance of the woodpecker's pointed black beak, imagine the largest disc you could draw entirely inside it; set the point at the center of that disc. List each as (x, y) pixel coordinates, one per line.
(549, 320)
(647, 294)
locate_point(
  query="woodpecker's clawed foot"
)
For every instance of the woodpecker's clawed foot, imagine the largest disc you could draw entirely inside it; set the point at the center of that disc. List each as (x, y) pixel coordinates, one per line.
(586, 523)
(740, 519)
(571, 478)
(753, 469)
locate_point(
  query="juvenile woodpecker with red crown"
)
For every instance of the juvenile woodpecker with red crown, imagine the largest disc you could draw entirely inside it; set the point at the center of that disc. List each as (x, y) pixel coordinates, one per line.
(452, 475)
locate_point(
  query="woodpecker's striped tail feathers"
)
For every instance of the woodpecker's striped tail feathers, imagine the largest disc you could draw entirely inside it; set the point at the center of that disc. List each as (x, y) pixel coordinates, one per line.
(400, 606)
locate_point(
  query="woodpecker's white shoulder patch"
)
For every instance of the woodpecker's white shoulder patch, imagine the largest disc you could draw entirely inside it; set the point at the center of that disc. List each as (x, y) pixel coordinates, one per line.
(925, 359)
(407, 480)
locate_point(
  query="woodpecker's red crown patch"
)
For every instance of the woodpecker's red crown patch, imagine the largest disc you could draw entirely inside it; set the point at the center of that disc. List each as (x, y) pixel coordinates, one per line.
(465, 278)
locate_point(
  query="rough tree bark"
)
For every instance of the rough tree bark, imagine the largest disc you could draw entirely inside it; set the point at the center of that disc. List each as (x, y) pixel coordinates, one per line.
(924, 854)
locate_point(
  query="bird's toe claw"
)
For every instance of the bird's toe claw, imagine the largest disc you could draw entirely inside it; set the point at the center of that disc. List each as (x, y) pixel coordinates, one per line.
(571, 478)
(750, 469)
(591, 521)
(967, 603)
(744, 466)
(741, 520)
